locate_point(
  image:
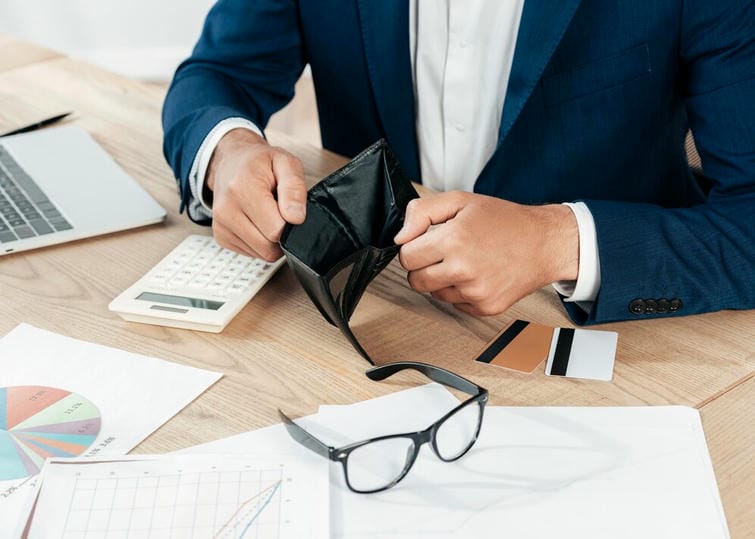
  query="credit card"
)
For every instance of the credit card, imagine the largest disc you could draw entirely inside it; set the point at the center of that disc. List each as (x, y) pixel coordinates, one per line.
(582, 353)
(520, 346)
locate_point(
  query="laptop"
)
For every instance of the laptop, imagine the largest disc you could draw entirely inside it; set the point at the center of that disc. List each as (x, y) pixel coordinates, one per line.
(59, 185)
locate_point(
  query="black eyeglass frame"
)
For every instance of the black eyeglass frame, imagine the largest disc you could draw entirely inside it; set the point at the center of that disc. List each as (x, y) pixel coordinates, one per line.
(419, 438)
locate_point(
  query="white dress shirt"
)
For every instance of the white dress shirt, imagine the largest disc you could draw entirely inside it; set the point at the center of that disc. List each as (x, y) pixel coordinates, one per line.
(461, 59)
(456, 46)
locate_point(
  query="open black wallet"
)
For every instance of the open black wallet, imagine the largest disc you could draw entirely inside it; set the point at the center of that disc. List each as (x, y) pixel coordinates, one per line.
(347, 237)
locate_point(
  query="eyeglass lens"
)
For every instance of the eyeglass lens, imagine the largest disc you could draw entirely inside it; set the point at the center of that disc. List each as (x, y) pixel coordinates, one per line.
(457, 433)
(378, 464)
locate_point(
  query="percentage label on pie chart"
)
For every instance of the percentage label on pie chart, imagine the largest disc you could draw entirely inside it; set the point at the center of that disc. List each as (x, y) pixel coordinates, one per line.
(37, 422)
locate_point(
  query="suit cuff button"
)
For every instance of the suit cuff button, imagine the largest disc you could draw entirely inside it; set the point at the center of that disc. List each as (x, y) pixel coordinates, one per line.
(637, 306)
(675, 305)
(663, 306)
(651, 306)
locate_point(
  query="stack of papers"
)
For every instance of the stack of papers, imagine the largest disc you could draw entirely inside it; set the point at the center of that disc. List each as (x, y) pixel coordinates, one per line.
(534, 472)
(576, 472)
(63, 397)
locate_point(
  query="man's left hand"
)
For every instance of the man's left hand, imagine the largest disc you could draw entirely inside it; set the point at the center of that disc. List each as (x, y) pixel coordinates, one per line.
(485, 253)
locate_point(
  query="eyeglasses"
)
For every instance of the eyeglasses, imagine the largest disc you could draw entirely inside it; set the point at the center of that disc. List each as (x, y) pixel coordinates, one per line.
(380, 463)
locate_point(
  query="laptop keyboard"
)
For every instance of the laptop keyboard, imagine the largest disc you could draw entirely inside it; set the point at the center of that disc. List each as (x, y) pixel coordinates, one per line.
(25, 211)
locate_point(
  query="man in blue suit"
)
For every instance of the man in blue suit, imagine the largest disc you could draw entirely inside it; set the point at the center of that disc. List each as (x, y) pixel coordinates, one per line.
(556, 129)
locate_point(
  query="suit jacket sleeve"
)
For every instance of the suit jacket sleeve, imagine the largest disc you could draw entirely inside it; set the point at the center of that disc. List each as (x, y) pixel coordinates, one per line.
(245, 64)
(702, 255)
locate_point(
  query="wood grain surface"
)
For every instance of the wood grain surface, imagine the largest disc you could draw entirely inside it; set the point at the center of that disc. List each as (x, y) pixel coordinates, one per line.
(280, 351)
(728, 422)
(15, 53)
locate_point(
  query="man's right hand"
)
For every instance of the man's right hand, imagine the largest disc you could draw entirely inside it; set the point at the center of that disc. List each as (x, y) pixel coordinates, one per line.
(257, 189)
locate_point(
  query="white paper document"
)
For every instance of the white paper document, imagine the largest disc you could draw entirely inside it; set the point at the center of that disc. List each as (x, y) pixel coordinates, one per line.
(534, 472)
(61, 397)
(198, 496)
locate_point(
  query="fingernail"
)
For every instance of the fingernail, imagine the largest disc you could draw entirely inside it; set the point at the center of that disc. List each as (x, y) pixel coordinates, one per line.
(295, 210)
(400, 233)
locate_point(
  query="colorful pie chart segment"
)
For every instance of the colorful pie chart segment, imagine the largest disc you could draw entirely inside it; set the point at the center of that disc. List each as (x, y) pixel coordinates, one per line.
(37, 422)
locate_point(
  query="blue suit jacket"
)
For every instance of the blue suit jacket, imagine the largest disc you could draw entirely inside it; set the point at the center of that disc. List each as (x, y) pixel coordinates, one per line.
(600, 97)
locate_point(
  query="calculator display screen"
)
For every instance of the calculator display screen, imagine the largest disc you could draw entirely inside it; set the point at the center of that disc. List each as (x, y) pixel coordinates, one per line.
(181, 301)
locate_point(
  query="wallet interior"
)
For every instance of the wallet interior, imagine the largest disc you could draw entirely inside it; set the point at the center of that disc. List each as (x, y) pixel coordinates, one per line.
(347, 236)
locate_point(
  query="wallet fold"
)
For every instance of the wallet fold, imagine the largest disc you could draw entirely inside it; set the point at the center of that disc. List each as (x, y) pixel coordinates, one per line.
(346, 239)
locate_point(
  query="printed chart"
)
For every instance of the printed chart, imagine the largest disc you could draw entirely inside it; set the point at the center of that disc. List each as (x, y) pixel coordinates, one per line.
(118, 397)
(37, 422)
(222, 497)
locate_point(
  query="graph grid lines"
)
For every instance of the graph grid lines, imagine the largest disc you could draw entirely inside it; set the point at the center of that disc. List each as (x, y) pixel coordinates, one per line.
(220, 504)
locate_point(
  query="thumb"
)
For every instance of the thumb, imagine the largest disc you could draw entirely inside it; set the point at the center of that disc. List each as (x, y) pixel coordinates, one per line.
(422, 213)
(291, 188)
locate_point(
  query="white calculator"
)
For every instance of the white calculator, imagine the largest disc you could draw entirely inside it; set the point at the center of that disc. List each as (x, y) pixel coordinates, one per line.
(199, 285)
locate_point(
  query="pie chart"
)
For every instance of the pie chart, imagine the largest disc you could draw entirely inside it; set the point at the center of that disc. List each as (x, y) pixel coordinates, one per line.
(37, 422)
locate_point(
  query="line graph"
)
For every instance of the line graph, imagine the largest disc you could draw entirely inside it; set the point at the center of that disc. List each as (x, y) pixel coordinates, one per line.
(188, 497)
(246, 515)
(194, 504)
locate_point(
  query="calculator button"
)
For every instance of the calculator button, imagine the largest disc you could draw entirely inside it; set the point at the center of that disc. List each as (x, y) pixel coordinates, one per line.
(159, 279)
(236, 287)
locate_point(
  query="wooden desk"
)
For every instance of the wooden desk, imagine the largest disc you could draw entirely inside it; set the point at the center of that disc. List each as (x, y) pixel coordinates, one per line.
(279, 349)
(728, 422)
(14, 53)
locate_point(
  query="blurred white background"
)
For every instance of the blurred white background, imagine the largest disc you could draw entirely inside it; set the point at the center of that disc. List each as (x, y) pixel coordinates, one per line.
(141, 39)
(144, 39)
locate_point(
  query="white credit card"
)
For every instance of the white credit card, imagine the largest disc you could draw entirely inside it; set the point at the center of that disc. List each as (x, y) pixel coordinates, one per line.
(582, 353)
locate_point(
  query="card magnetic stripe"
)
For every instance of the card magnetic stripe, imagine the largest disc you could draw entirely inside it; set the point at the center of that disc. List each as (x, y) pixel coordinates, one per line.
(503, 340)
(563, 351)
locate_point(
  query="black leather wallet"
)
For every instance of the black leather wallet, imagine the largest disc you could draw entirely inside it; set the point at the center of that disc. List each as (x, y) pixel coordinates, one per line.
(347, 237)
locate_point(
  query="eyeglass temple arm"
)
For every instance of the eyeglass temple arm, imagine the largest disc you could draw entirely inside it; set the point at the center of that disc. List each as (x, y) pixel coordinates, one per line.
(437, 374)
(306, 439)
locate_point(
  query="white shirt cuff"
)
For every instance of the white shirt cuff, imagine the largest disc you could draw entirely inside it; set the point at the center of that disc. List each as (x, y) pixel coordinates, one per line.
(585, 288)
(204, 154)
